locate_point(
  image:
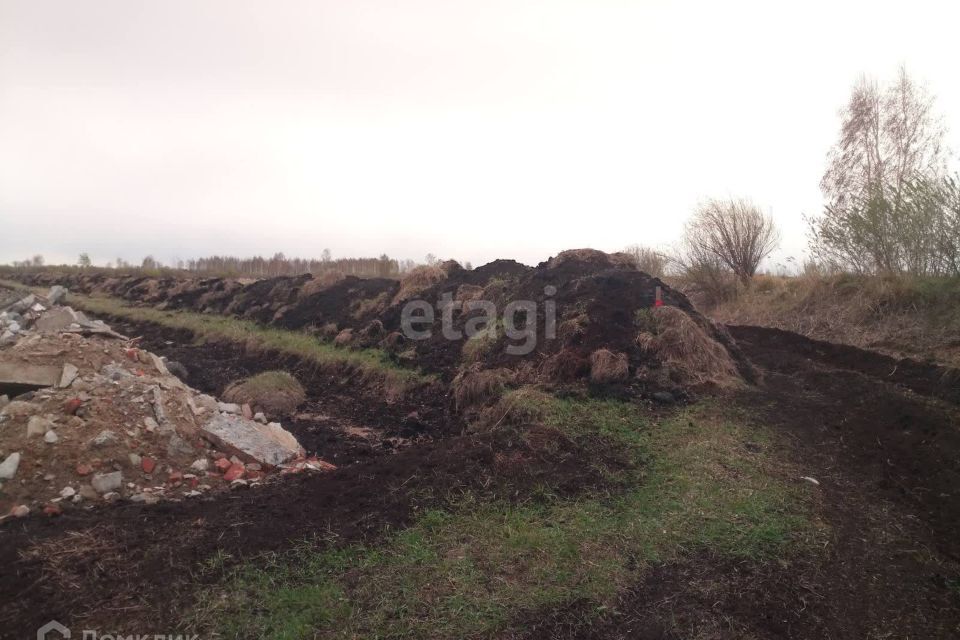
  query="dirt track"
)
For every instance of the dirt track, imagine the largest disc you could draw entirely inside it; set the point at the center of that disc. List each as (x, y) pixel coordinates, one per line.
(887, 459)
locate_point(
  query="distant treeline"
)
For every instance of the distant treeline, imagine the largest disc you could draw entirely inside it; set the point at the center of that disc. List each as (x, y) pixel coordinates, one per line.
(280, 265)
(255, 267)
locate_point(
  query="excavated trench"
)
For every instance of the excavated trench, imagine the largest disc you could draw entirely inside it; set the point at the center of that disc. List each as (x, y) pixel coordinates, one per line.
(393, 459)
(344, 420)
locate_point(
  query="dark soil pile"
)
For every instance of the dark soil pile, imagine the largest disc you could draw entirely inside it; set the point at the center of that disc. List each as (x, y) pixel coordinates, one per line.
(580, 302)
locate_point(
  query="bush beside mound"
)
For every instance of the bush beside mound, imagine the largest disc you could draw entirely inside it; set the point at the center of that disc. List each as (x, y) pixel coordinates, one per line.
(276, 393)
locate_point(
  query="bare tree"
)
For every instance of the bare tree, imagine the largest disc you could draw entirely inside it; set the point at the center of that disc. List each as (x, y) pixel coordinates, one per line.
(733, 233)
(890, 141)
(84, 260)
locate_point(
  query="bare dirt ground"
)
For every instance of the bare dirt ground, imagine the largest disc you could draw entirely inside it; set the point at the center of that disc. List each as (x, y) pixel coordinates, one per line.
(886, 460)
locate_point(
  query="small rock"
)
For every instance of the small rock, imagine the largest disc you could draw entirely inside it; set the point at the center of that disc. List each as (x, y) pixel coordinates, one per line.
(235, 472)
(177, 369)
(20, 511)
(222, 464)
(135, 460)
(150, 424)
(813, 481)
(115, 372)
(9, 467)
(87, 492)
(56, 295)
(84, 469)
(104, 439)
(200, 465)
(68, 492)
(71, 406)
(175, 476)
(663, 397)
(110, 496)
(259, 417)
(104, 483)
(246, 411)
(37, 426)
(229, 407)
(69, 374)
(178, 447)
(148, 464)
(52, 510)
(51, 437)
(145, 498)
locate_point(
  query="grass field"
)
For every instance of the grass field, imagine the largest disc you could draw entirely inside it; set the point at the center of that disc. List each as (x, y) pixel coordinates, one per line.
(702, 480)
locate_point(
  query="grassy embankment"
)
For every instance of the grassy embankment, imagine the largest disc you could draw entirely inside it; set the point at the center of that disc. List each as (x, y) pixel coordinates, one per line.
(372, 363)
(705, 480)
(903, 316)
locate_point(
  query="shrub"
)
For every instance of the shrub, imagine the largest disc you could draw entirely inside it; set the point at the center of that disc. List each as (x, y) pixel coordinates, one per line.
(274, 392)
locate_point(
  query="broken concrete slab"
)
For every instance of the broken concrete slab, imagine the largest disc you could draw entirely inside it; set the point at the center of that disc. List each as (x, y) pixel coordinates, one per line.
(56, 295)
(68, 375)
(8, 468)
(23, 304)
(268, 444)
(59, 319)
(17, 377)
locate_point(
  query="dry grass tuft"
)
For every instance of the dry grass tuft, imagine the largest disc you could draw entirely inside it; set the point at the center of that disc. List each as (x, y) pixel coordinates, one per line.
(467, 292)
(372, 334)
(328, 331)
(344, 338)
(592, 256)
(476, 386)
(366, 307)
(319, 283)
(607, 367)
(419, 280)
(565, 366)
(679, 343)
(275, 392)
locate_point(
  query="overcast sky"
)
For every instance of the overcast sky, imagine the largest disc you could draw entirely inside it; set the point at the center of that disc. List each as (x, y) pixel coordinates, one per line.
(471, 130)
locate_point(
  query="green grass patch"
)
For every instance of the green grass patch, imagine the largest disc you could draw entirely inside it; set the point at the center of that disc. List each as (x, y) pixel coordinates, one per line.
(214, 327)
(706, 481)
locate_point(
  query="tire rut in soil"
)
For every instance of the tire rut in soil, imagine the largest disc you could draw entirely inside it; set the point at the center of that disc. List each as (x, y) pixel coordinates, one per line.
(884, 442)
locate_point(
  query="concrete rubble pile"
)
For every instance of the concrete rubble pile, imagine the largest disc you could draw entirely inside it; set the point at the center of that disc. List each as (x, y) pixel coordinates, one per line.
(87, 417)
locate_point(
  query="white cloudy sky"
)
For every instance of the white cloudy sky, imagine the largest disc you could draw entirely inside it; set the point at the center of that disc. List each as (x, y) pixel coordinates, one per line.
(472, 130)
